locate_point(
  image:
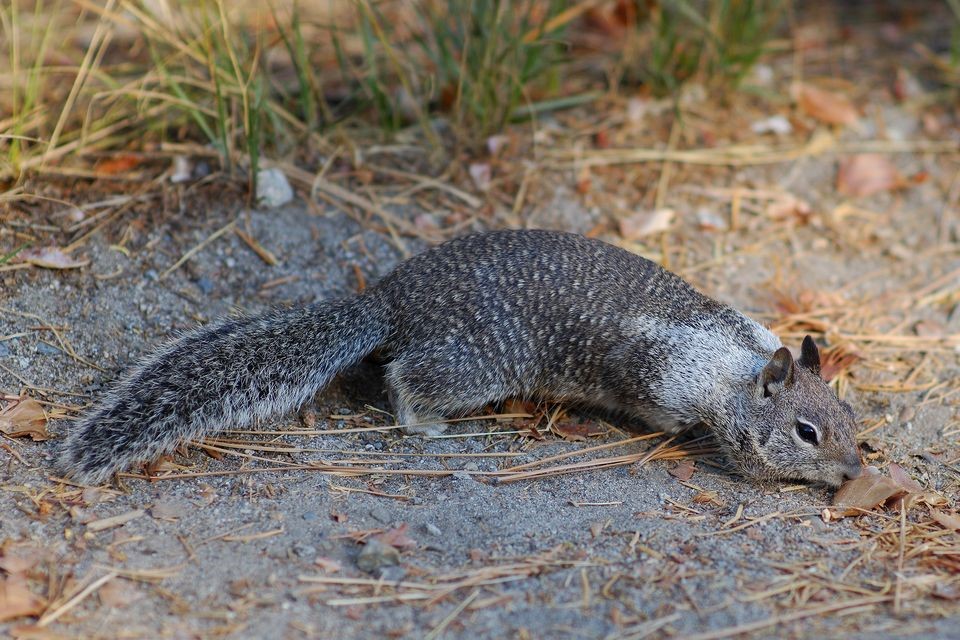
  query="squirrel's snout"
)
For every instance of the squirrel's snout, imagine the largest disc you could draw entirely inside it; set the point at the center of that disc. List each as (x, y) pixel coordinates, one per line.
(852, 468)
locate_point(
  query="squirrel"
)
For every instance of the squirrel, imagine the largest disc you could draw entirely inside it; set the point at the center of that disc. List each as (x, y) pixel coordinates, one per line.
(518, 313)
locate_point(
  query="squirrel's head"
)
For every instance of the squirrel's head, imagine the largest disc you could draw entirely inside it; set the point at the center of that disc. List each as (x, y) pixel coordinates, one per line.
(799, 429)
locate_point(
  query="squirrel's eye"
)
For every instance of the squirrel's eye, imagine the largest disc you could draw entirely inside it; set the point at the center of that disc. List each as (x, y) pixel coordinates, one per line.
(807, 432)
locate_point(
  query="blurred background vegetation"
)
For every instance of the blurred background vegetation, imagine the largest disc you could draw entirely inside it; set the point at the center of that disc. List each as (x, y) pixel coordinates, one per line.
(283, 78)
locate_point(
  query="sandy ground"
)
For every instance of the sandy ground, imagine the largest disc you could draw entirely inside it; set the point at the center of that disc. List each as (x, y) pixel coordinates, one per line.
(625, 552)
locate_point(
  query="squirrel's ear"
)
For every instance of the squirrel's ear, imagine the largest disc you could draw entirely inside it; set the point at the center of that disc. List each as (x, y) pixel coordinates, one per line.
(809, 356)
(778, 374)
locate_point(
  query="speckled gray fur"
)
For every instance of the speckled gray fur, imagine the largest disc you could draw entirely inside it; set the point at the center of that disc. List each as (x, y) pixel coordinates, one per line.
(533, 314)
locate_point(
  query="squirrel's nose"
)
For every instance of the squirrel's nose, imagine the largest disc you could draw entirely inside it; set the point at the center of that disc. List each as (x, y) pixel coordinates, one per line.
(852, 467)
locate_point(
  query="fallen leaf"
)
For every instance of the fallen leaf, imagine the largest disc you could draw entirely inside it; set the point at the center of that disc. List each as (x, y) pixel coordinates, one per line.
(644, 223)
(708, 497)
(95, 495)
(20, 559)
(864, 493)
(946, 520)
(25, 418)
(835, 360)
(120, 164)
(788, 206)
(169, 510)
(327, 564)
(867, 173)
(903, 479)
(119, 593)
(16, 599)
(50, 258)
(397, 537)
(577, 432)
(826, 106)
(239, 587)
(683, 471)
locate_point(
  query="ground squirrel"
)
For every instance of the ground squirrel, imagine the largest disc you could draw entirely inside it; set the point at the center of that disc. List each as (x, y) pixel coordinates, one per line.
(532, 314)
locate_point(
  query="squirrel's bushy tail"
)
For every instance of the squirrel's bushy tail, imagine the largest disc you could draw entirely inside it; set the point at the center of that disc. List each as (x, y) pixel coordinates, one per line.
(226, 374)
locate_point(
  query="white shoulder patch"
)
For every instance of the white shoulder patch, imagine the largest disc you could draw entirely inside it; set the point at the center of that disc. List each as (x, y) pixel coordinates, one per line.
(705, 361)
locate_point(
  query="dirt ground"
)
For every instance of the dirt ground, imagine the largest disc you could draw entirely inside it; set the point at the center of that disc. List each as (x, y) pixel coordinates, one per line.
(416, 539)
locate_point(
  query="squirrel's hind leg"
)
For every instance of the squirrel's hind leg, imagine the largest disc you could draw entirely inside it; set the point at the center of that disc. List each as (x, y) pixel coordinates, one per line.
(417, 422)
(424, 390)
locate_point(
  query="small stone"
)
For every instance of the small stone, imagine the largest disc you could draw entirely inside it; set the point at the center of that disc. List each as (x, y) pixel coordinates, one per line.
(46, 349)
(471, 466)
(376, 555)
(4, 350)
(273, 188)
(304, 550)
(433, 529)
(205, 285)
(310, 516)
(380, 515)
(151, 274)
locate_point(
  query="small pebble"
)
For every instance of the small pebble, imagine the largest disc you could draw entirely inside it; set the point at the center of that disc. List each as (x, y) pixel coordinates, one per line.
(205, 285)
(380, 515)
(46, 349)
(376, 555)
(4, 350)
(273, 188)
(433, 529)
(309, 516)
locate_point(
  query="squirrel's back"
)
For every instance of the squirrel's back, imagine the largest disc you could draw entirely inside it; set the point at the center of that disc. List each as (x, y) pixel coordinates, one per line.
(555, 314)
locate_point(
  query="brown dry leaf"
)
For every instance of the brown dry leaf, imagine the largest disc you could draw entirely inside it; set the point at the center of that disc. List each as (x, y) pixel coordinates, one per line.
(577, 432)
(835, 360)
(683, 471)
(788, 206)
(16, 599)
(50, 258)
(20, 559)
(23, 419)
(708, 497)
(170, 509)
(119, 593)
(397, 537)
(946, 520)
(644, 223)
(114, 166)
(826, 106)
(864, 493)
(903, 479)
(327, 564)
(867, 173)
